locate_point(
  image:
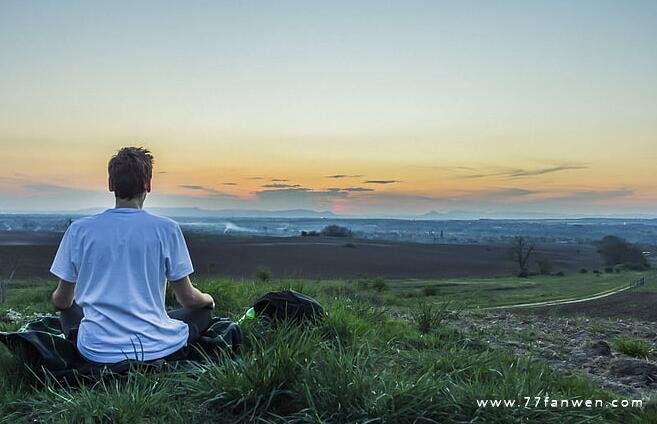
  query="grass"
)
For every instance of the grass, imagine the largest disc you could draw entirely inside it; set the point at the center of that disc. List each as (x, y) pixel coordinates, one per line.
(507, 290)
(358, 365)
(633, 347)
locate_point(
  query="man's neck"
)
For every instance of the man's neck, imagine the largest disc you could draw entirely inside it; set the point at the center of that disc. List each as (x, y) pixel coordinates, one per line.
(136, 203)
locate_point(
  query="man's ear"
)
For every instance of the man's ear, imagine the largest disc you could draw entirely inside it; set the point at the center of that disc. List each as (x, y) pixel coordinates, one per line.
(147, 186)
(110, 185)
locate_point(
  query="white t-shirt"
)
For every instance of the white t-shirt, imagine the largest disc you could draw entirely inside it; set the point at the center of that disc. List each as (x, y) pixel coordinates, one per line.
(120, 261)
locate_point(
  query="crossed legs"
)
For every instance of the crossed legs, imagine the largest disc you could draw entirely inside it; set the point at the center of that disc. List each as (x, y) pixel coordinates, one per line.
(198, 320)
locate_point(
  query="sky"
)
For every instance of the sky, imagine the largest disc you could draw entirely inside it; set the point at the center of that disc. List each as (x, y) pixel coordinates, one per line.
(356, 107)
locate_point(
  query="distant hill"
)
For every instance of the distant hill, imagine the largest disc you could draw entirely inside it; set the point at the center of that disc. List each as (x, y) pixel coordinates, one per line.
(227, 213)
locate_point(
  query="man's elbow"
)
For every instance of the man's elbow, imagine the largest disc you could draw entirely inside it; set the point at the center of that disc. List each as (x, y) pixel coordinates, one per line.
(60, 302)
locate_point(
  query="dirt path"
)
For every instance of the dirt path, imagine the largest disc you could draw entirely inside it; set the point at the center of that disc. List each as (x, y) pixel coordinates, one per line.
(562, 301)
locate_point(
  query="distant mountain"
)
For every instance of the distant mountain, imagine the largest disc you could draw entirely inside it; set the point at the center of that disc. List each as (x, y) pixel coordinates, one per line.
(473, 215)
(226, 213)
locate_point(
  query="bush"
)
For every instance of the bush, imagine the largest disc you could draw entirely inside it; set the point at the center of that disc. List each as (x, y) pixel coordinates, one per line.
(309, 233)
(363, 284)
(349, 245)
(263, 274)
(632, 266)
(545, 266)
(336, 231)
(609, 269)
(583, 271)
(560, 274)
(430, 291)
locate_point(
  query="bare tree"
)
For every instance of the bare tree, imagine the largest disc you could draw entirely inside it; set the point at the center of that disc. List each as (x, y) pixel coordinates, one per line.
(522, 250)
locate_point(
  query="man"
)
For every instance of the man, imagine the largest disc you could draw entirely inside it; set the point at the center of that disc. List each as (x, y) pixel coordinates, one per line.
(113, 269)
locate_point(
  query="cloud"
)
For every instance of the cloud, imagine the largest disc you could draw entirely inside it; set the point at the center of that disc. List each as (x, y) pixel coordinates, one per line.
(163, 172)
(510, 192)
(593, 196)
(279, 180)
(302, 197)
(350, 189)
(230, 184)
(343, 176)
(381, 181)
(256, 178)
(281, 186)
(516, 172)
(356, 189)
(543, 171)
(47, 188)
(209, 190)
(45, 197)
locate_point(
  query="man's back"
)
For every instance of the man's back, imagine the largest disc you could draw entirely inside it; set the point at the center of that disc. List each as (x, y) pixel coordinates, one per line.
(120, 261)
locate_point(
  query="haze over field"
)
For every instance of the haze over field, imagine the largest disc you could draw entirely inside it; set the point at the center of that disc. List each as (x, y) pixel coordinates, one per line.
(359, 108)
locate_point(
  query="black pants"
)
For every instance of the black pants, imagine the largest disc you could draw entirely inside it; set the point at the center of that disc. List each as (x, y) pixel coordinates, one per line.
(198, 320)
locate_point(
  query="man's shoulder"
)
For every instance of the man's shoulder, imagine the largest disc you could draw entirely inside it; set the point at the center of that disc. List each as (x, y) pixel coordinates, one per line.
(162, 221)
(83, 222)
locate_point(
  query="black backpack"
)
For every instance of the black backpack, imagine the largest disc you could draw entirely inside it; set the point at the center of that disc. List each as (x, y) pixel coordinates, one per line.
(288, 305)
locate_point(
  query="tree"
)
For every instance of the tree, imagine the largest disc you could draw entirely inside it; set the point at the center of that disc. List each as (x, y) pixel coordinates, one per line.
(336, 231)
(522, 250)
(618, 251)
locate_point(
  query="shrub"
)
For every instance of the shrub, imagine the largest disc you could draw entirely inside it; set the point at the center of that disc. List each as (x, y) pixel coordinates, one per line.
(609, 269)
(633, 266)
(430, 291)
(379, 284)
(309, 233)
(336, 231)
(349, 245)
(545, 266)
(263, 274)
(560, 274)
(583, 271)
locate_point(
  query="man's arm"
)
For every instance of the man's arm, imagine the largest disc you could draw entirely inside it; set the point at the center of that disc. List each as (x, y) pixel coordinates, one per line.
(189, 296)
(62, 297)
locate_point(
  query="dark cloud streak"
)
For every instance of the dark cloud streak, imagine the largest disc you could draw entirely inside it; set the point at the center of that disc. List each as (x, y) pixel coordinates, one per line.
(381, 181)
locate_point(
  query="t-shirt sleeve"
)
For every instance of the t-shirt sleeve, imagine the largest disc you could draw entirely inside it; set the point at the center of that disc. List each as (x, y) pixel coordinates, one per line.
(65, 264)
(177, 260)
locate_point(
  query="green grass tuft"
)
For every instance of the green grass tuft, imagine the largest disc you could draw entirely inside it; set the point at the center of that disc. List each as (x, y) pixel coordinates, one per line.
(633, 347)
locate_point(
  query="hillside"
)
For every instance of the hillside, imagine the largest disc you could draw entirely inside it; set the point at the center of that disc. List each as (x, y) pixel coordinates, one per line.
(372, 359)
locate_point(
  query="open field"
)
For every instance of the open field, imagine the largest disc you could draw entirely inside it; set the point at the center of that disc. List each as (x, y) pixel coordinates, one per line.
(321, 257)
(637, 303)
(360, 364)
(501, 291)
(390, 350)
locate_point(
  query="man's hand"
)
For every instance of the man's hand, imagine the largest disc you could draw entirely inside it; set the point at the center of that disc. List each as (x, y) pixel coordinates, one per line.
(63, 296)
(189, 296)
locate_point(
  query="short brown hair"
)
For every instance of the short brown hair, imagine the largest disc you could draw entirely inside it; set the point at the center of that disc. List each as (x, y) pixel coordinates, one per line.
(129, 169)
